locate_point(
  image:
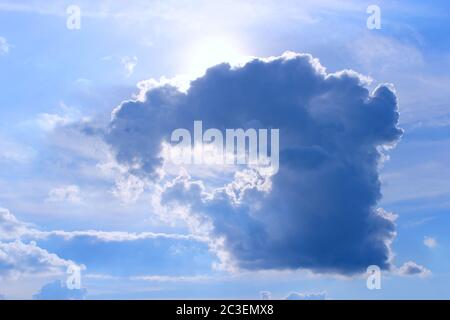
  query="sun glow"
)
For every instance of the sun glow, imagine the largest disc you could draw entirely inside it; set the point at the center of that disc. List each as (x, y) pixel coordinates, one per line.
(212, 51)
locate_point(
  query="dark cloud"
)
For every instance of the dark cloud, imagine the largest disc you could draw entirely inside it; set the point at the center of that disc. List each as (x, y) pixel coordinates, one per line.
(321, 211)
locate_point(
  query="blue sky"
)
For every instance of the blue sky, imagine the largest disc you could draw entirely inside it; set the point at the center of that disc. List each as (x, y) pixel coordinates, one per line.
(69, 192)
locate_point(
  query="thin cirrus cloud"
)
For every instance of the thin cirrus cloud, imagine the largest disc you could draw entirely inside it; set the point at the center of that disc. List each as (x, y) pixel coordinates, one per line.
(321, 210)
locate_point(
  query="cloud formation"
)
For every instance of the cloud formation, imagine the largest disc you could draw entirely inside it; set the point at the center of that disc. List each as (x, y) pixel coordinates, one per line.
(26, 250)
(18, 258)
(320, 210)
(13, 229)
(410, 268)
(58, 291)
(10, 227)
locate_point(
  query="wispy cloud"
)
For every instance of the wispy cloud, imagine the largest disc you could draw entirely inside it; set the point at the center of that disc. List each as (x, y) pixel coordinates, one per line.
(4, 46)
(430, 242)
(70, 193)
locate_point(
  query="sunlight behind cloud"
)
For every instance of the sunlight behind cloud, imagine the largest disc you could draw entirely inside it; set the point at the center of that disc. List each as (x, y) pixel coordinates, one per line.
(214, 50)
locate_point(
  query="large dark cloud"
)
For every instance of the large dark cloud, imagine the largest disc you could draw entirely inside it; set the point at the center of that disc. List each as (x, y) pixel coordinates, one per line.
(321, 212)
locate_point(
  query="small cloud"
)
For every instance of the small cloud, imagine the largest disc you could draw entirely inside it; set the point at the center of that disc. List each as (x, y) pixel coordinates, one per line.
(70, 193)
(129, 63)
(430, 242)
(4, 46)
(411, 268)
(58, 291)
(307, 296)
(64, 116)
(128, 189)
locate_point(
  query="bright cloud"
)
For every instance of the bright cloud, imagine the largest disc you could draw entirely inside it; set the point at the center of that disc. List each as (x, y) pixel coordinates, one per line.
(129, 63)
(18, 258)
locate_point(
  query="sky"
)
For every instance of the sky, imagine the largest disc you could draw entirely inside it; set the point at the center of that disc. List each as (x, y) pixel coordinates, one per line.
(91, 91)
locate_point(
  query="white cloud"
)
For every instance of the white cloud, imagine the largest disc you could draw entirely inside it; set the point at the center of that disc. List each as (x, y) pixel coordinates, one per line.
(410, 268)
(70, 193)
(64, 116)
(430, 242)
(129, 188)
(13, 229)
(113, 236)
(18, 258)
(4, 46)
(129, 63)
(10, 227)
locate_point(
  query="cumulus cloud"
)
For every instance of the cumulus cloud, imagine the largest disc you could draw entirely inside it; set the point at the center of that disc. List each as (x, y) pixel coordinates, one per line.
(58, 291)
(128, 188)
(10, 227)
(70, 193)
(410, 268)
(18, 258)
(320, 210)
(307, 296)
(430, 242)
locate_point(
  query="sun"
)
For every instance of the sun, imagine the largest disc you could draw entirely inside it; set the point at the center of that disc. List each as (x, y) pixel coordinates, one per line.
(213, 50)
